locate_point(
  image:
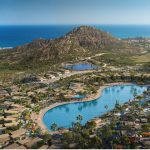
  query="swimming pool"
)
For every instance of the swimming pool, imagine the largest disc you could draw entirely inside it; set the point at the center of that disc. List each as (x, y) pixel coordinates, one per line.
(64, 115)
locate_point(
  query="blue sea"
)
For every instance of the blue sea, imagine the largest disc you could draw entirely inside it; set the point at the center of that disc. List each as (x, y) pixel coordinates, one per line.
(11, 36)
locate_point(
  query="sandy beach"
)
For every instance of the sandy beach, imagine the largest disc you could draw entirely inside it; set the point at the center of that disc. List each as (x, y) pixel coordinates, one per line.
(38, 118)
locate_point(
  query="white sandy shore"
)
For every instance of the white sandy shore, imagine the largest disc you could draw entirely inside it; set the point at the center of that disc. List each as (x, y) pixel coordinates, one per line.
(38, 118)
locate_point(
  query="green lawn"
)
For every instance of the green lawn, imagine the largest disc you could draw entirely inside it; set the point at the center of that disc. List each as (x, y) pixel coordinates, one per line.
(142, 58)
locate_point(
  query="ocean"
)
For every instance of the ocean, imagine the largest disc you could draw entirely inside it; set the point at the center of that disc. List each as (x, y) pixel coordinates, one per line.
(12, 36)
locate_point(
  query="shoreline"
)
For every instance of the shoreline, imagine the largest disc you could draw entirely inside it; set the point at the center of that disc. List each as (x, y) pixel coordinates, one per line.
(38, 118)
(42, 112)
(3, 48)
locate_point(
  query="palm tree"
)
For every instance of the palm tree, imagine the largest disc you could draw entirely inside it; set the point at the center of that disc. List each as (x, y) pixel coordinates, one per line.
(106, 107)
(54, 127)
(117, 104)
(79, 118)
(135, 93)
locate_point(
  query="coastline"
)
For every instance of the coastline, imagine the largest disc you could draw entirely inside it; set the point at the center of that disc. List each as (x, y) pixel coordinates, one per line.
(3, 48)
(38, 117)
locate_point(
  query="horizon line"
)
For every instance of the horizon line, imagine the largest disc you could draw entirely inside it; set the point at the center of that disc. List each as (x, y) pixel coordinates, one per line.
(81, 24)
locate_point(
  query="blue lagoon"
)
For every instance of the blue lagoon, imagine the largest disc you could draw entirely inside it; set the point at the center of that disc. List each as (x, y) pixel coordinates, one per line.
(64, 115)
(81, 66)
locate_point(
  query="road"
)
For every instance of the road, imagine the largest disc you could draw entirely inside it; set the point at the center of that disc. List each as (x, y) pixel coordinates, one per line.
(67, 75)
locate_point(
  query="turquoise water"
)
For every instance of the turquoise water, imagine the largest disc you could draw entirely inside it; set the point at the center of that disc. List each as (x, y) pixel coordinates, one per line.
(79, 96)
(11, 36)
(81, 66)
(64, 115)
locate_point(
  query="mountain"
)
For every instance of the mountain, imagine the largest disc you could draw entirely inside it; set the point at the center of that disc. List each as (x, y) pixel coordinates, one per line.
(80, 42)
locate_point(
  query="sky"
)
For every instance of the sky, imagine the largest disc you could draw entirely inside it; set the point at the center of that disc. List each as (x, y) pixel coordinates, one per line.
(31, 12)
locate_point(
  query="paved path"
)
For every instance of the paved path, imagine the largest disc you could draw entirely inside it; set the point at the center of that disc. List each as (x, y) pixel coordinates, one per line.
(99, 54)
(68, 75)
